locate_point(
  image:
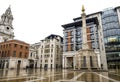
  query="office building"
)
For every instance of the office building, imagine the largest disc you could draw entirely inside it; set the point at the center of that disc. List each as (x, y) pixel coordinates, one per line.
(111, 35)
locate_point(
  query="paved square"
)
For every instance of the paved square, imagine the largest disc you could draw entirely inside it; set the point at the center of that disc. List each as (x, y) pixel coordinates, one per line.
(41, 75)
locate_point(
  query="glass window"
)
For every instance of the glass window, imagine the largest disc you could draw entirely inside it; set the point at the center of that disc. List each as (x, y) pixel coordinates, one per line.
(21, 46)
(20, 54)
(14, 53)
(46, 61)
(72, 40)
(15, 45)
(66, 33)
(78, 32)
(93, 45)
(72, 33)
(31, 54)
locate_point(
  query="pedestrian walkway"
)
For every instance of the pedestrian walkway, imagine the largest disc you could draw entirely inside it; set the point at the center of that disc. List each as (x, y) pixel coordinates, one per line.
(41, 75)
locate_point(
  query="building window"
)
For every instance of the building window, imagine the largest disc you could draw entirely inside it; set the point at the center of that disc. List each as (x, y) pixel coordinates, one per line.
(78, 32)
(84, 61)
(47, 46)
(72, 40)
(52, 46)
(26, 47)
(51, 50)
(3, 46)
(91, 63)
(20, 54)
(21, 46)
(14, 53)
(25, 55)
(5, 53)
(66, 34)
(47, 50)
(15, 45)
(31, 54)
(72, 33)
(2, 54)
(41, 51)
(6, 45)
(46, 61)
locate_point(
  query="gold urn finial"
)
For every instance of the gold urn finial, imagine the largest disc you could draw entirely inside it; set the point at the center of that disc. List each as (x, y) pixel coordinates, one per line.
(83, 9)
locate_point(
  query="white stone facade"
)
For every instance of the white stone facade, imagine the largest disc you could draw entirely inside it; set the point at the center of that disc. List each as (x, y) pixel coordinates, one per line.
(6, 28)
(50, 52)
(33, 56)
(69, 59)
(14, 63)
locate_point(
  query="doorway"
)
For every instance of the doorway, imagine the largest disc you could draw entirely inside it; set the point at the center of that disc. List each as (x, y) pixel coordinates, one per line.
(18, 65)
(69, 62)
(45, 66)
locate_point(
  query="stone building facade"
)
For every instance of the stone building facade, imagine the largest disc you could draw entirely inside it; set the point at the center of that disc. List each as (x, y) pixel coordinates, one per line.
(14, 54)
(33, 58)
(50, 52)
(6, 28)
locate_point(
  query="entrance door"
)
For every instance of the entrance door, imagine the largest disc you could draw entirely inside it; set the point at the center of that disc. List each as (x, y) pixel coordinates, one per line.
(46, 66)
(7, 65)
(18, 65)
(51, 66)
(36, 65)
(69, 62)
(31, 63)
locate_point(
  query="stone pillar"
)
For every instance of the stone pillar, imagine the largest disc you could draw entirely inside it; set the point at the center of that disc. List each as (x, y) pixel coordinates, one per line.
(34, 64)
(5, 64)
(84, 33)
(74, 62)
(79, 62)
(88, 62)
(65, 62)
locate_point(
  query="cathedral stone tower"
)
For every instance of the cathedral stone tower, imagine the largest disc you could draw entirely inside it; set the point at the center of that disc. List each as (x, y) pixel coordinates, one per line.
(6, 28)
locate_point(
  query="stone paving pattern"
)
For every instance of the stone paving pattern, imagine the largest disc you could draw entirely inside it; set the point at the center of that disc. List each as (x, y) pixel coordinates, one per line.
(41, 75)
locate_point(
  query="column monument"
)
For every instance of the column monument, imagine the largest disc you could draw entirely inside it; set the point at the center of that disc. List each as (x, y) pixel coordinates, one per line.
(86, 57)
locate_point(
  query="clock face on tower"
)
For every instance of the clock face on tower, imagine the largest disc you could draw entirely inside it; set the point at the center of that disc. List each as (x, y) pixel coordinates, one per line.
(7, 28)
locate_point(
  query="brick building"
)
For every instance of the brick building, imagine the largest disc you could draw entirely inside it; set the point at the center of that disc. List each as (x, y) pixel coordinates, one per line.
(14, 54)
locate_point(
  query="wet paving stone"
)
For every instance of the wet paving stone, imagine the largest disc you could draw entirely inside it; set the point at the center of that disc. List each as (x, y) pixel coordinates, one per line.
(41, 75)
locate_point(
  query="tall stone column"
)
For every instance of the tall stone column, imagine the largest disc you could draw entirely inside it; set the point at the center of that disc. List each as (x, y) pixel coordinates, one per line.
(84, 33)
(86, 57)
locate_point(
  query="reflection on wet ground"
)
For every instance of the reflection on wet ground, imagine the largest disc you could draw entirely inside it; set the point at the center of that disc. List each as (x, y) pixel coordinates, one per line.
(41, 75)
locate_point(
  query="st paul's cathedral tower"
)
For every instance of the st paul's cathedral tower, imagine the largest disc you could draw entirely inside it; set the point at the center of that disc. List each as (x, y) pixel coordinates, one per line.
(6, 28)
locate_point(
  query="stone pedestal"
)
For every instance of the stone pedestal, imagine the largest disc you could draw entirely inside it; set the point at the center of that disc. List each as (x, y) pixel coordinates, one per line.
(87, 59)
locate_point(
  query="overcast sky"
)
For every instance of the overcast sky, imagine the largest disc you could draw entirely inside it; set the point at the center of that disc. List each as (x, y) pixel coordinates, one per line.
(36, 19)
